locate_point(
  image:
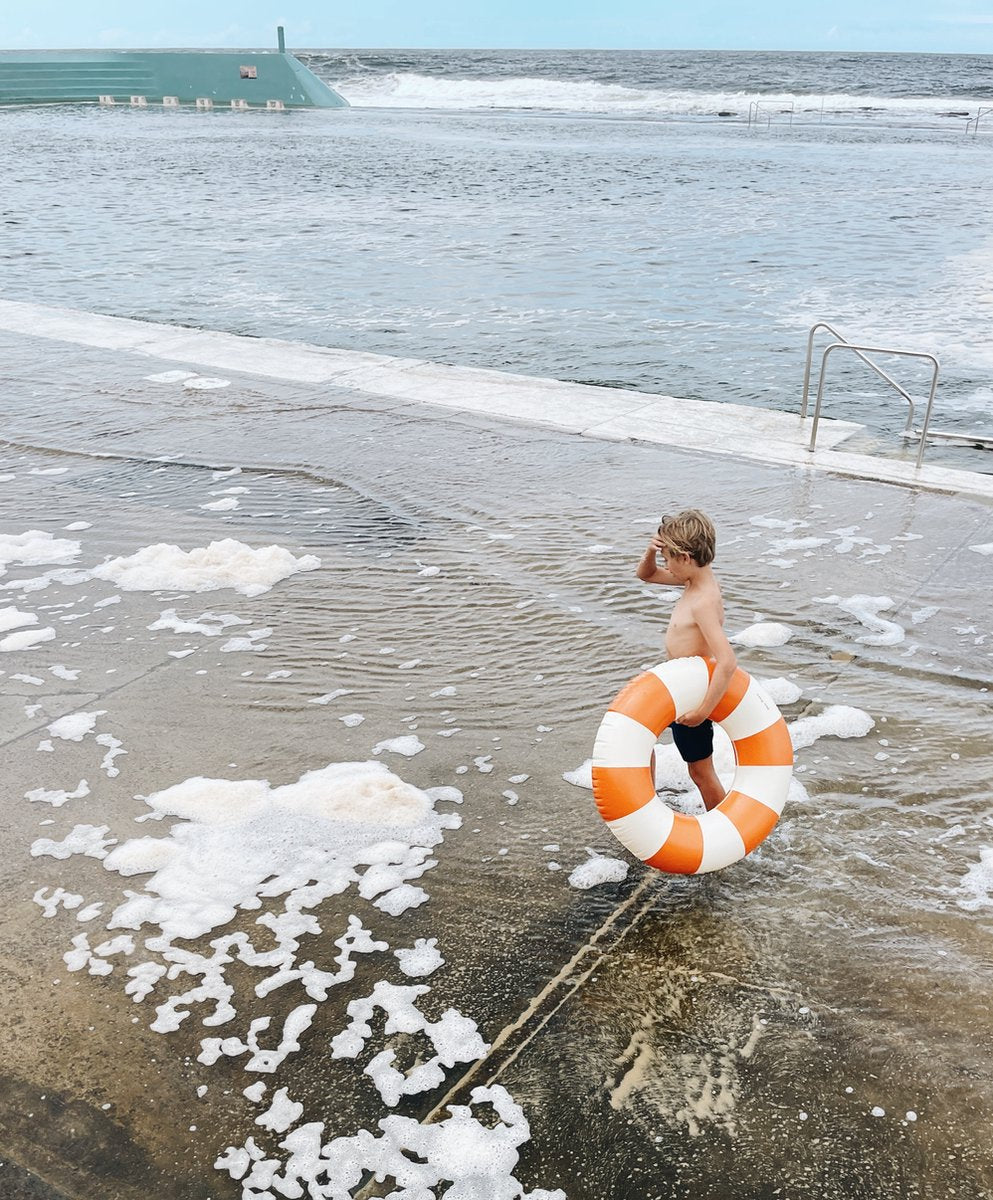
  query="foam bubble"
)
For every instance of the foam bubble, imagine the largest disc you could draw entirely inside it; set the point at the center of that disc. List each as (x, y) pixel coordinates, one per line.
(765, 633)
(866, 610)
(223, 564)
(281, 1114)
(25, 639)
(598, 868)
(976, 886)
(407, 746)
(12, 618)
(75, 726)
(35, 547)
(114, 748)
(89, 840)
(57, 798)
(209, 624)
(328, 697)
(204, 383)
(477, 1157)
(250, 643)
(40, 582)
(239, 834)
(423, 958)
(837, 720)
(780, 690)
(59, 898)
(454, 1038)
(581, 776)
(777, 523)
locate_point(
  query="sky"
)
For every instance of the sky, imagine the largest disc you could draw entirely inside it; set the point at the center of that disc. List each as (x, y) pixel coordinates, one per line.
(946, 26)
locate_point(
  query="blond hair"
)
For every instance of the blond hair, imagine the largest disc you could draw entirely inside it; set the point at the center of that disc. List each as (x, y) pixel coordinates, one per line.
(690, 532)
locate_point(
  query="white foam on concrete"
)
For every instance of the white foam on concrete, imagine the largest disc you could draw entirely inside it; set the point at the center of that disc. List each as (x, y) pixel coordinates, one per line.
(75, 726)
(25, 639)
(223, 564)
(469, 1151)
(407, 746)
(975, 891)
(763, 634)
(234, 846)
(454, 1038)
(13, 618)
(34, 548)
(866, 610)
(208, 624)
(598, 868)
(57, 797)
(421, 959)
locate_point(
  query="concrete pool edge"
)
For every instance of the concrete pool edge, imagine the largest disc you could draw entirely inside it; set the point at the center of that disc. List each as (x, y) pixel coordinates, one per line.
(601, 413)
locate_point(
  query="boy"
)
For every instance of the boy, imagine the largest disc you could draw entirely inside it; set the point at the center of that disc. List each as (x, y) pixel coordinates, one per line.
(687, 543)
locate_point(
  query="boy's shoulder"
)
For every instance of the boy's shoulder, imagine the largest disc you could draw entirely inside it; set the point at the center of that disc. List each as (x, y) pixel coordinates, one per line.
(708, 592)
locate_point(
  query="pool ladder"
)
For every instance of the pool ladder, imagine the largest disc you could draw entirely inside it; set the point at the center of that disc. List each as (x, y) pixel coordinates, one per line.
(973, 122)
(862, 352)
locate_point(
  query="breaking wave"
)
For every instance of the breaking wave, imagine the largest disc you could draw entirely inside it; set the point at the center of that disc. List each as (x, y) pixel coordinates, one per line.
(412, 90)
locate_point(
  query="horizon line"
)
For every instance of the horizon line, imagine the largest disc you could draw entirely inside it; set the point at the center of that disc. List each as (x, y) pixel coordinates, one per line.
(506, 50)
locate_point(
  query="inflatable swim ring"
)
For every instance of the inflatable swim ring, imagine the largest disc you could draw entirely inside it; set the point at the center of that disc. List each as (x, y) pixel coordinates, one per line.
(625, 791)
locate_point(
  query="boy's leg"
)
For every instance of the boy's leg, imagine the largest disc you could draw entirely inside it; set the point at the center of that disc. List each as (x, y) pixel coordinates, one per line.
(705, 777)
(695, 744)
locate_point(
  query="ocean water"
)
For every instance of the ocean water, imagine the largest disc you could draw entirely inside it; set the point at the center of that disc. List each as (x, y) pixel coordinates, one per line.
(582, 215)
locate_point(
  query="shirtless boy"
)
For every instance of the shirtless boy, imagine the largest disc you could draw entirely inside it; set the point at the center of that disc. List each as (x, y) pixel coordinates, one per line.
(686, 544)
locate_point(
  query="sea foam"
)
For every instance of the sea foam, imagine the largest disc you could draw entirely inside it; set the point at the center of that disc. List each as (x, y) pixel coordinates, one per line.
(223, 564)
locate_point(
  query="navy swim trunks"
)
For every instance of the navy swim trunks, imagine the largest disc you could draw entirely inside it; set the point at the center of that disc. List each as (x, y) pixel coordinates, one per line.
(693, 742)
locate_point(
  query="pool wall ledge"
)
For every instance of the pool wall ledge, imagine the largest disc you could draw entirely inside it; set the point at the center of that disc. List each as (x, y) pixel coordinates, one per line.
(606, 414)
(143, 78)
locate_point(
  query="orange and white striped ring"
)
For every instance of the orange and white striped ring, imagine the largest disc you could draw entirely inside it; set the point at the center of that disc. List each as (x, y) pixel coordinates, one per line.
(624, 789)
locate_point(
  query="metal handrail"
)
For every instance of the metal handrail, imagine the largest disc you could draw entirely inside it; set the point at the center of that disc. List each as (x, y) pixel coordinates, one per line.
(868, 362)
(861, 351)
(753, 112)
(982, 112)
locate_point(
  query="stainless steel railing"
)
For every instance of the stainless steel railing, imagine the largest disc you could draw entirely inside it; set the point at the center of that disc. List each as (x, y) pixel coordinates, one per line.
(862, 352)
(772, 107)
(974, 121)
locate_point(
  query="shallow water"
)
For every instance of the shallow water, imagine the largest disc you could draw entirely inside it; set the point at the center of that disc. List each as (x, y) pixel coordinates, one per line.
(709, 1027)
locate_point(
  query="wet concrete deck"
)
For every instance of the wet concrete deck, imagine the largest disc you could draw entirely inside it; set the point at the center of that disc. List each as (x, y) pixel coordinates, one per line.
(611, 414)
(715, 1038)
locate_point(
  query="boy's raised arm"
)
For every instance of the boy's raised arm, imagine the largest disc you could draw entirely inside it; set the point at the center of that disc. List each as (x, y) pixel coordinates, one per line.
(650, 571)
(708, 619)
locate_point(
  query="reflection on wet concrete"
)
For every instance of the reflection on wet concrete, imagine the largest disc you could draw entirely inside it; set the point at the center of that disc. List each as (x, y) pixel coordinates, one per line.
(665, 1037)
